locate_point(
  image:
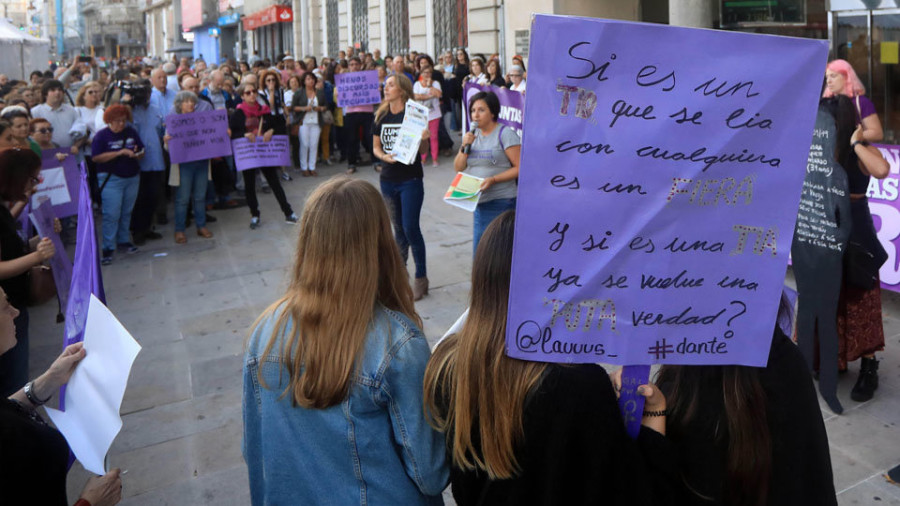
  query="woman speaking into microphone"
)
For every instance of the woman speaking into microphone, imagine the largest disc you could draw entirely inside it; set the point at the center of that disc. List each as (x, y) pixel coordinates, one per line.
(490, 151)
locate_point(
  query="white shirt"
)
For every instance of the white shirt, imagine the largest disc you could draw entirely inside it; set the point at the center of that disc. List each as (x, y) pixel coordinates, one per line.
(312, 117)
(520, 88)
(433, 104)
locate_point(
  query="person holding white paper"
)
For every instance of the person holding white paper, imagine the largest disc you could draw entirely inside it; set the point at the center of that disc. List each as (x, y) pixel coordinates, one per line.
(401, 184)
(493, 154)
(34, 456)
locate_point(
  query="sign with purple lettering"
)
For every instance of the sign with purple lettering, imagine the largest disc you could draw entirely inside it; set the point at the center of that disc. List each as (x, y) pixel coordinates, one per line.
(357, 88)
(884, 204)
(198, 135)
(660, 180)
(512, 105)
(252, 155)
(59, 170)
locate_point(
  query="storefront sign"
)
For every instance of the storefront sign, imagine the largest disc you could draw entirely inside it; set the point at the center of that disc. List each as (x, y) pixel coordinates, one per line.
(268, 16)
(763, 12)
(191, 14)
(230, 19)
(522, 40)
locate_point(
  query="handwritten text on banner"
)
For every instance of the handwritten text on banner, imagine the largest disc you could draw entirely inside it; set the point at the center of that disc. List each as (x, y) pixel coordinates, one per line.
(198, 135)
(661, 174)
(357, 88)
(252, 155)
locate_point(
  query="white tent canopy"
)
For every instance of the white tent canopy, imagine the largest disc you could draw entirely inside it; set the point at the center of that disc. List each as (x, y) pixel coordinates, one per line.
(21, 53)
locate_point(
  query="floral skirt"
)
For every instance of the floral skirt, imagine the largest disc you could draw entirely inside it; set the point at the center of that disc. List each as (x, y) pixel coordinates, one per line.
(859, 325)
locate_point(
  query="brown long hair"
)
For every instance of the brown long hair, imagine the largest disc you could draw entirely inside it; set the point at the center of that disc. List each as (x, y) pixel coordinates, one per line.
(484, 391)
(406, 88)
(346, 264)
(744, 424)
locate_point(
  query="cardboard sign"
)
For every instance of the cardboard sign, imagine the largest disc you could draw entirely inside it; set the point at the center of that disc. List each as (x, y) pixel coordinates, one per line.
(357, 88)
(658, 191)
(60, 183)
(198, 135)
(252, 155)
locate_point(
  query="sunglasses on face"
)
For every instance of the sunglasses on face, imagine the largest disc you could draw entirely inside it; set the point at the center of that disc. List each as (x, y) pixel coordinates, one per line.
(48, 130)
(249, 92)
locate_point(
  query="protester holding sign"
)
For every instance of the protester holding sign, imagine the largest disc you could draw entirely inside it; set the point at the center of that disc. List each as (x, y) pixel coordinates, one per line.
(427, 92)
(250, 120)
(493, 154)
(342, 346)
(749, 435)
(477, 75)
(534, 433)
(191, 178)
(35, 455)
(402, 184)
(495, 75)
(19, 175)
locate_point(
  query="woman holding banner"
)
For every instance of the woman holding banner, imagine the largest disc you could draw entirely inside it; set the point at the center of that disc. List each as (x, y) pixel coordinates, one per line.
(535, 433)
(749, 435)
(251, 120)
(191, 178)
(490, 152)
(495, 75)
(309, 104)
(401, 184)
(477, 75)
(20, 173)
(860, 329)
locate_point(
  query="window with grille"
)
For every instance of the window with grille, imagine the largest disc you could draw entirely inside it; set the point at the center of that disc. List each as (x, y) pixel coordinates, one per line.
(360, 17)
(331, 27)
(451, 28)
(397, 16)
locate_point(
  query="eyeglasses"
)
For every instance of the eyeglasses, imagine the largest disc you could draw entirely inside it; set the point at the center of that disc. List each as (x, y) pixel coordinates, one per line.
(515, 75)
(249, 92)
(271, 80)
(45, 130)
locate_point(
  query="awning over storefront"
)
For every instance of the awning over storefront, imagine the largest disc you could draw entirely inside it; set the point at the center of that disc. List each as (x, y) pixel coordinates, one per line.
(268, 16)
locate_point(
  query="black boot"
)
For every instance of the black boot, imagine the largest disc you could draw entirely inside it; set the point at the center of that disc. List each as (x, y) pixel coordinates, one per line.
(867, 382)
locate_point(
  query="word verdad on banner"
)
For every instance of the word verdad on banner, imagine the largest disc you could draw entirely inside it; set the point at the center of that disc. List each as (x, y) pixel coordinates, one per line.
(658, 191)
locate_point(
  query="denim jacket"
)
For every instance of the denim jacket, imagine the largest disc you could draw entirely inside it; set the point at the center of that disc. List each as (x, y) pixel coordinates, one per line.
(374, 448)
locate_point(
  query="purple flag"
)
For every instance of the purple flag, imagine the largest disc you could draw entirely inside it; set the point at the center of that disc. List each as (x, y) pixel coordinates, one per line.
(43, 217)
(631, 403)
(60, 182)
(25, 223)
(86, 276)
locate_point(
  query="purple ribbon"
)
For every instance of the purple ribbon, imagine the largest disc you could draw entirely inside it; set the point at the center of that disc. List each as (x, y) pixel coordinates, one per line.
(631, 403)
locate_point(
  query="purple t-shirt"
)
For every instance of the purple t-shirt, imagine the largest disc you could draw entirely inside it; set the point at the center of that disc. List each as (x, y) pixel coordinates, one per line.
(105, 141)
(864, 107)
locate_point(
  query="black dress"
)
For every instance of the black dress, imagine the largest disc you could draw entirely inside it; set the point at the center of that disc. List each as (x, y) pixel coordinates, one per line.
(33, 458)
(801, 464)
(575, 451)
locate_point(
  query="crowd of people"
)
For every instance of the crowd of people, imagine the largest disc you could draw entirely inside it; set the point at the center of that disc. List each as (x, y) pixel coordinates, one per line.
(337, 373)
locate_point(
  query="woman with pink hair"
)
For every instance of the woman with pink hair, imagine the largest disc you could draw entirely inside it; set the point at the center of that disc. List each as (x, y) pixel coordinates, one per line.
(859, 323)
(841, 79)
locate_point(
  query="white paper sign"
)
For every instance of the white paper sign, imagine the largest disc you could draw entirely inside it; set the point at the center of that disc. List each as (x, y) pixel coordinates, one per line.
(54, 186)
(94, 394)
(415, 121)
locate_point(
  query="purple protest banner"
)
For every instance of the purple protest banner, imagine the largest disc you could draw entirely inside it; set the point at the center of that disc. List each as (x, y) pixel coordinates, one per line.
(357, 88)
(42, 216)
(252, 155)
(198, 135)
(884, 204)
(86, 276)
(512, 106)
(660, 180)
(631, 403)
(60, 182)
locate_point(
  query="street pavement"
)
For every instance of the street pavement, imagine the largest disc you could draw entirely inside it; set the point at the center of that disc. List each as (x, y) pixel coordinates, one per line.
(189, 306)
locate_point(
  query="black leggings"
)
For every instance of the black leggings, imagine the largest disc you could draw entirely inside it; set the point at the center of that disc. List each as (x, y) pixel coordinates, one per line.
(271, 175)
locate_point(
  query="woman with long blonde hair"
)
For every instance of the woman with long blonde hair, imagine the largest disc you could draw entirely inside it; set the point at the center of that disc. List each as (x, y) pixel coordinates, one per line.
(333, 370)
(401, 184)
(530, 433)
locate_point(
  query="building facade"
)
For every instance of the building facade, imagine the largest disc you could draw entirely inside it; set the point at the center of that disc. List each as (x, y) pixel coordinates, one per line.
(113, 28)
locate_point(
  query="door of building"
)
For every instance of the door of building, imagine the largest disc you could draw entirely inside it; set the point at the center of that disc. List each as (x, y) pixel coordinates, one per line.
(869, 40)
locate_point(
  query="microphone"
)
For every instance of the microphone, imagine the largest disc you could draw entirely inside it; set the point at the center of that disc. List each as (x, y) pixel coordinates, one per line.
(468, 147)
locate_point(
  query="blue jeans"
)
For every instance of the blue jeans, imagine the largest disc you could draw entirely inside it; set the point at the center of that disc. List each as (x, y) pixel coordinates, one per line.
(485, 214)
(118, 199)
(404, 200)
(194, 179)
